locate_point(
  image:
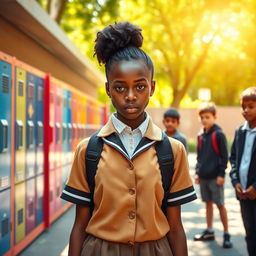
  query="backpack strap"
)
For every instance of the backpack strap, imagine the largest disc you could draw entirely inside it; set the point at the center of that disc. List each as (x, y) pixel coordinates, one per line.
(164, 154)
(215, 142)
(92, 157)
(166, 164)
(199, 141)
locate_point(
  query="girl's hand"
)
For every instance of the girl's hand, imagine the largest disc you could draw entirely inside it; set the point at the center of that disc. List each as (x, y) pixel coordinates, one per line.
(250, 193)
(239, 191)
(197, 180)
(220, 181)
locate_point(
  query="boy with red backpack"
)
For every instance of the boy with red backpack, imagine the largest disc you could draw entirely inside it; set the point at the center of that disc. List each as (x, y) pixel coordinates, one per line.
(212, 157)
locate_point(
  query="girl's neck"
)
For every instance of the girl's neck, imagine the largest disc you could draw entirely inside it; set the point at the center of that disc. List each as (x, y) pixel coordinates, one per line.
(133, 123)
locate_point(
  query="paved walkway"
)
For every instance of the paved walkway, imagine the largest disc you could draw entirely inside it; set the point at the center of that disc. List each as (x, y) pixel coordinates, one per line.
(194, 221)
(55, 240)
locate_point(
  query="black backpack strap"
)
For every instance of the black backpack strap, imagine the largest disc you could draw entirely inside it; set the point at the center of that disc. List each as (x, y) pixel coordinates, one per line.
(92, 157)
(166, 163)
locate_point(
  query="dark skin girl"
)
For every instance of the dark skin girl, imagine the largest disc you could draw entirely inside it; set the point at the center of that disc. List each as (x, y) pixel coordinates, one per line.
(130, 86)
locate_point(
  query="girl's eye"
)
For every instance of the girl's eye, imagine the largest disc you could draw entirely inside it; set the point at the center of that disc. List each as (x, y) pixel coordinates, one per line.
(140, 86)
(119, 88)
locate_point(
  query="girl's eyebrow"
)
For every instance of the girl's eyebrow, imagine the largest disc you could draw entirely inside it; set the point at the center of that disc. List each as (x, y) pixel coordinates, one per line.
(141, 79)
(119, 82)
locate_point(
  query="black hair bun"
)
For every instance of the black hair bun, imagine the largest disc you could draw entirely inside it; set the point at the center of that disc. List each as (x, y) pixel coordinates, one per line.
(116, 37)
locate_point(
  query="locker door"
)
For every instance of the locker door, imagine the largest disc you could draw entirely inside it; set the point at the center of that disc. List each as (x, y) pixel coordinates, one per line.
(30, 123)
(20, 221)
(39, 199)
(20, 125)
(5, 124)
(39, 123)
(5, 221)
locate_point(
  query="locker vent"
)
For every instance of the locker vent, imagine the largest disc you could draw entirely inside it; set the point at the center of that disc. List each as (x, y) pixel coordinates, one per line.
(20, 87)
(51, 195)
(69, 103)
(5, 227)
(30, 91)
(5, 84)
(30, 209)
(40, 202)
(40, 94)
(65, 101)
(58, 191)
(58, 100)
(51, 98)
(20, 216)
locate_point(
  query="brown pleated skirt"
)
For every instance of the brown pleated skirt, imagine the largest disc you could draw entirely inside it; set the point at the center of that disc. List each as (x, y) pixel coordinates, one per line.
(94, 246)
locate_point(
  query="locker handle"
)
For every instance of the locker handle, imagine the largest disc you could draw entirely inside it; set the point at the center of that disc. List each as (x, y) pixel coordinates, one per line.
(30, 134)
(64, 132)
(19, 134)
(4, 136)
(69, 132)
(40, 132)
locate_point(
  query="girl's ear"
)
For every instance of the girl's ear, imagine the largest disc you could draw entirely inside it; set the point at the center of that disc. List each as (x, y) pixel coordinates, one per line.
(152, 89)
(107, 89)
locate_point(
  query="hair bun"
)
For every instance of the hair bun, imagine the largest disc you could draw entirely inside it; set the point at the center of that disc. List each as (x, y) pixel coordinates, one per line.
(116, 37)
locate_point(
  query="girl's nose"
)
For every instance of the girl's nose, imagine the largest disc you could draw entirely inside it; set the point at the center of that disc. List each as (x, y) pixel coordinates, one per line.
(130, 96)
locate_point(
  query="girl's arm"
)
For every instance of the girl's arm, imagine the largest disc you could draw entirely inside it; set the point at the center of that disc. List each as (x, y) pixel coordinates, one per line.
(176, 236)
(78, 233)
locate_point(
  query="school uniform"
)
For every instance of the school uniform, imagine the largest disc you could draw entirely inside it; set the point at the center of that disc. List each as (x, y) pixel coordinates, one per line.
(128, 192)
(243, 171)
(211, 164)
(181, 137)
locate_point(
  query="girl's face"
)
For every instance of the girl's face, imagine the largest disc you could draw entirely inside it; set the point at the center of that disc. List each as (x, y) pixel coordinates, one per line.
(249, 110)
(129, 86)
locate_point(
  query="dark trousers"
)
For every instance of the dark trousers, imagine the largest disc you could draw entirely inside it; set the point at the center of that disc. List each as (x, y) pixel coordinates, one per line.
(248, 210)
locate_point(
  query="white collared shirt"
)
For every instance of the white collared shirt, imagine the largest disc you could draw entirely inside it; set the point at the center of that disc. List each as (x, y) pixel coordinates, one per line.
(247, 154)
(130, 138)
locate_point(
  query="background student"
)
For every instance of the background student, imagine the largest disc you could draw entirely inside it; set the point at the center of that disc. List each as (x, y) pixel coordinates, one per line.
(243, 163)
(171, 121)
(212, 157)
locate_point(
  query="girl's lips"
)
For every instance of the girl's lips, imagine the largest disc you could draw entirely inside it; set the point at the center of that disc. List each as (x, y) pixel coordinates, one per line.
(131, 110)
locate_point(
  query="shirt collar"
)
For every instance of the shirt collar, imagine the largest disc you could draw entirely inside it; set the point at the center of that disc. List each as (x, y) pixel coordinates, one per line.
(246, 127)
(148, 129)
(121, 127)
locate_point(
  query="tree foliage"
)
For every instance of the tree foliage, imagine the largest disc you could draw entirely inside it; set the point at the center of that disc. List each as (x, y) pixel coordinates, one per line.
(193, 43)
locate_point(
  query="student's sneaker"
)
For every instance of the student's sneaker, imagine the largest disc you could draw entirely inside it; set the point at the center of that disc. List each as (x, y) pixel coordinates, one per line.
(204, 236)
(226, 241)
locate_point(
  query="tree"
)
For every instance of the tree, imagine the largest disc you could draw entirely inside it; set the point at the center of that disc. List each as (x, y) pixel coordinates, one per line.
(85, 10)
(193, 43)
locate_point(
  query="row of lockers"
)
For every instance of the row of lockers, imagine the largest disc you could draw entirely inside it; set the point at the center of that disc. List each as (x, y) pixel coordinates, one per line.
(41, 121)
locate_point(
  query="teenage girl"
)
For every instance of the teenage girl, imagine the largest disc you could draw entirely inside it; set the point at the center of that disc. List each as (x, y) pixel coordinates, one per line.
(127, 218)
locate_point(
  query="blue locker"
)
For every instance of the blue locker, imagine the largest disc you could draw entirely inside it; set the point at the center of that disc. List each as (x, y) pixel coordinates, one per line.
(39, 131)
(69, 121)
(5, 124)
(5, 199)
(39, 199)
(30, 126)
(65, 127)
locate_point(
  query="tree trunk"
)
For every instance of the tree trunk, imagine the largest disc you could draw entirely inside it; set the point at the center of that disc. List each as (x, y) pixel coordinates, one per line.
(55, 9)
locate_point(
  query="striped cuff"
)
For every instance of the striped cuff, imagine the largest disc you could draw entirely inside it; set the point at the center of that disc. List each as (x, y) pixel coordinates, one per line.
(181, 197)
(76, 196)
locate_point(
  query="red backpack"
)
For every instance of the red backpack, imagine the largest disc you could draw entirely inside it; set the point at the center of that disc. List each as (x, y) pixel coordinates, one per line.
(214, 142)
